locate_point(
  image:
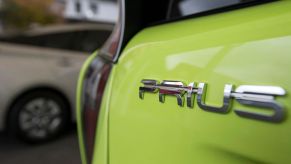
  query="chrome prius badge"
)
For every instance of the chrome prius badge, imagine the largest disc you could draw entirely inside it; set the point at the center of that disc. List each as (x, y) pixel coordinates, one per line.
(262, 97)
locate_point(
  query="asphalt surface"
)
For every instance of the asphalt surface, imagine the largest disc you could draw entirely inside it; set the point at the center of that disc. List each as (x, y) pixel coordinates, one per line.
(64, 150)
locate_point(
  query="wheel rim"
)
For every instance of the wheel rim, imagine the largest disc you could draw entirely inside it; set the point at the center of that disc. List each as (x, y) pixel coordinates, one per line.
(40, 117)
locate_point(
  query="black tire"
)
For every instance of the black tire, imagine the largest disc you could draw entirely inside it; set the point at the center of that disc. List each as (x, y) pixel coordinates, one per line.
(38, 116)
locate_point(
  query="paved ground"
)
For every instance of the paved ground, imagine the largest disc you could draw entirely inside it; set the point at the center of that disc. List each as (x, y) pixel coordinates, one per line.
(62, 151)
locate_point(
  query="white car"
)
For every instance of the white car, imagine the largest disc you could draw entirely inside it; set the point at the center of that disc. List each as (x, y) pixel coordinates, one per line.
(38, 76)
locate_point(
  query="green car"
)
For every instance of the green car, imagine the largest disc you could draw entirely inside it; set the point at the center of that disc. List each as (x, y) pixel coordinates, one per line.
(142, 98)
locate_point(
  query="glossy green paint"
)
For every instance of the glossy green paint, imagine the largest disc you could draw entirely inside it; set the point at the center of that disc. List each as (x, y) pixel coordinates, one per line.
(250, 46)
(79, 106)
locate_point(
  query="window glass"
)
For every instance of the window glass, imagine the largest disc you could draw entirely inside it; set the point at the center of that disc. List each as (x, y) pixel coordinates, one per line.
(76, 25)
(181, 8)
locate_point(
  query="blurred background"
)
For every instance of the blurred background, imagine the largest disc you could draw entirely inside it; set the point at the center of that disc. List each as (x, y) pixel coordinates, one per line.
(43, 44)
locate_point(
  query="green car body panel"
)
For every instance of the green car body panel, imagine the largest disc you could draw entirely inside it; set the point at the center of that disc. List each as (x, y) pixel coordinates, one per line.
(249, 46)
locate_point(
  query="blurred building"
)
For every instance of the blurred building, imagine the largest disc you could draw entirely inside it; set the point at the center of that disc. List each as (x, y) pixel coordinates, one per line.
(21, 15)
(91, 10)
(58, 7)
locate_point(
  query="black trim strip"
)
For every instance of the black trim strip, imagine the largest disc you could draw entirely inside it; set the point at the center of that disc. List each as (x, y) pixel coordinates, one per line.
(215, 11)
